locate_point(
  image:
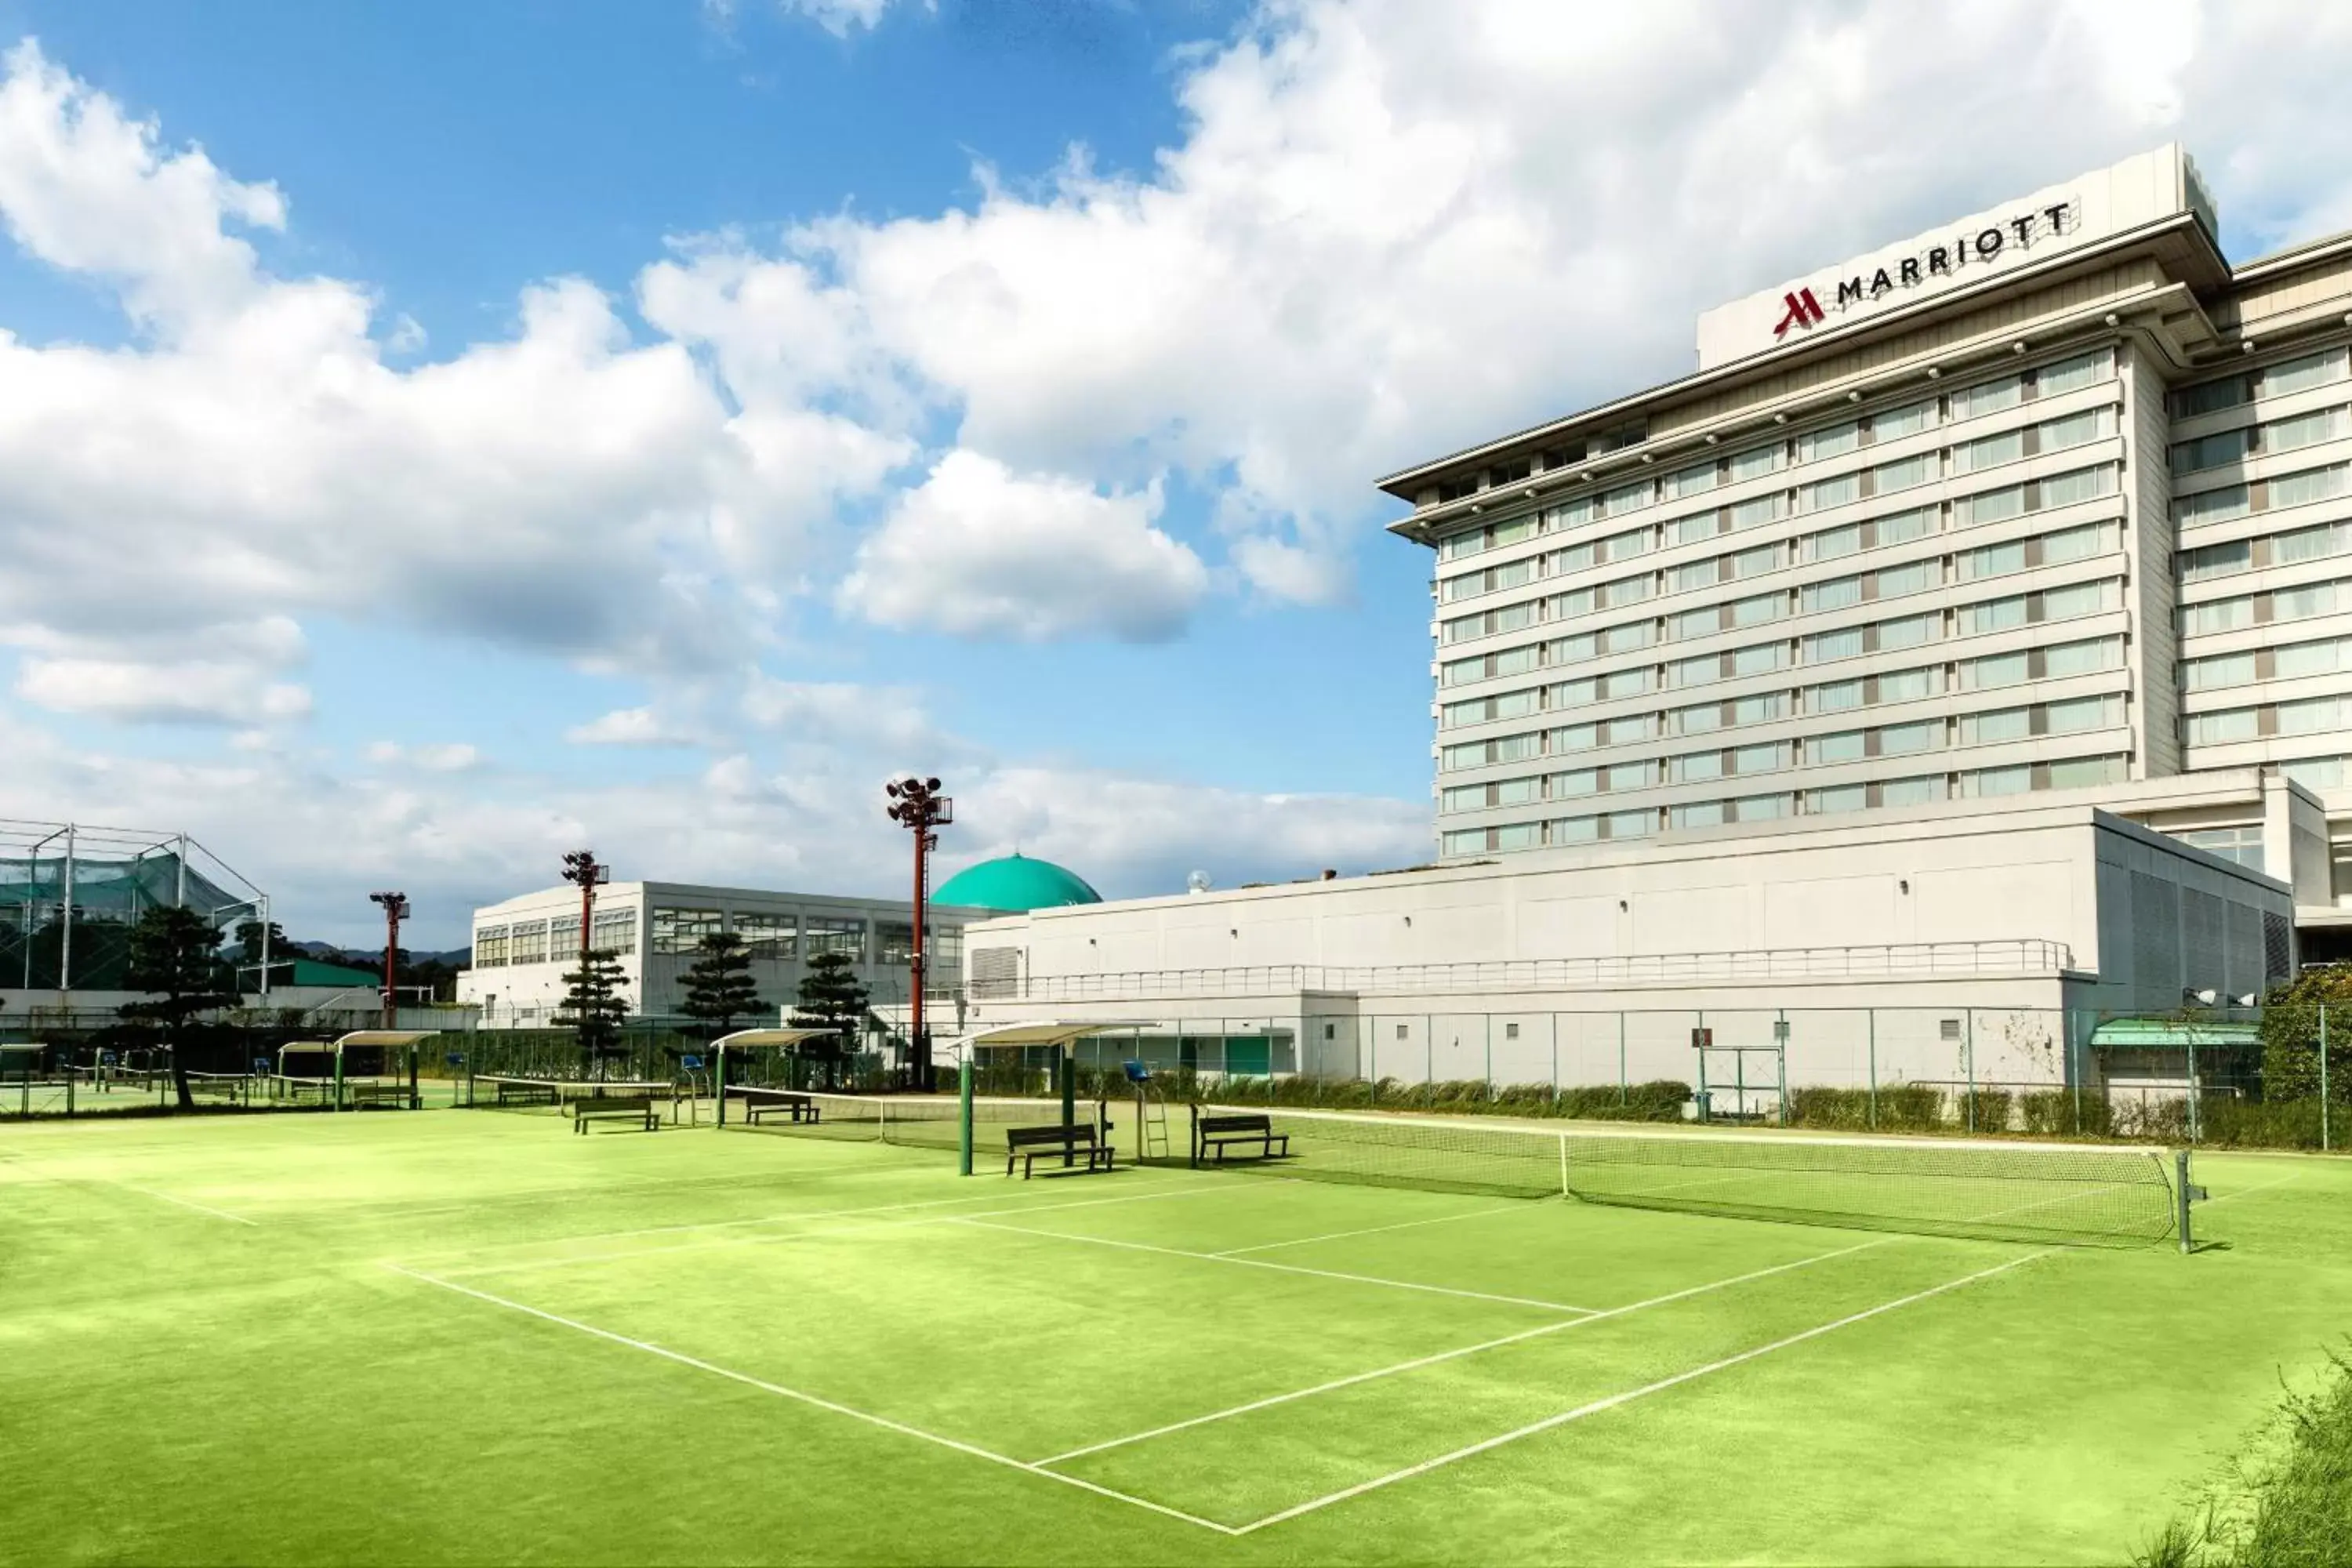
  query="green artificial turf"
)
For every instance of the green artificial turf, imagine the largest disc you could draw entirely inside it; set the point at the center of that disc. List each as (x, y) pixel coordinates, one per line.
(472, 1336)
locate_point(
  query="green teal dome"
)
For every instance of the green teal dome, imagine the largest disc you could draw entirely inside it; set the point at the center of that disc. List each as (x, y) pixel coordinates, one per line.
(1016, 884)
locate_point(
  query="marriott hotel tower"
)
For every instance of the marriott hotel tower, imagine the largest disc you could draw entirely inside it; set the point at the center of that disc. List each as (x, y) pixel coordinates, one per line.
(2050, 498)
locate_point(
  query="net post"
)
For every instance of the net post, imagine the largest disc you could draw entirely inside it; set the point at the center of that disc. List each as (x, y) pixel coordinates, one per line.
(1069, 1067)
(1969, 1060)
(338, 1078)
(1623, 1098)
(1563, 1165)
(719, 1081)
(416, 1100)
(1555, 1061)
(963, 1114)
(2180, 1190)
(2324, 1140)
(1872, 1017)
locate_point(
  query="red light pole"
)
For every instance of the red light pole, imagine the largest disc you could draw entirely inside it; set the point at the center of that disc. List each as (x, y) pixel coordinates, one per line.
(919, 806)
(395, 910)
(581, 866)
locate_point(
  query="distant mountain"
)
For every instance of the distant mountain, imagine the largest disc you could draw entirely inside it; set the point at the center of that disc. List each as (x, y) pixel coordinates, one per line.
(456, 956)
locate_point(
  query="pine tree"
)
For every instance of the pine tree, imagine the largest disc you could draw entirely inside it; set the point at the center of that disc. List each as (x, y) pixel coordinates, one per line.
(831, 998)
(720, 988)
(175, 953)
(593, 1005)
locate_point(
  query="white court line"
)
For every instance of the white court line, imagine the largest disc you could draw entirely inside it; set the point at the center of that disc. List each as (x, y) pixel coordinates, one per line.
(1614, 1400)
(978, 1222)
(532, 1264)
(2241, 1192)
(184, 1203)
(1419, 1362)
(1373, 1229)
(782, 1392)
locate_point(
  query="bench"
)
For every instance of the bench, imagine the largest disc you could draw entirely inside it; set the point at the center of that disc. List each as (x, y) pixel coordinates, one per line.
(526, 1094)
(769, 1102)
(1220, 1132)
(363, 1094)
(637, 1108)
(1027, 1145)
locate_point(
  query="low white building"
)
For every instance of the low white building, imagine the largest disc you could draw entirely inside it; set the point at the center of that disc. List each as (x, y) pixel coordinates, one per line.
(524, 946)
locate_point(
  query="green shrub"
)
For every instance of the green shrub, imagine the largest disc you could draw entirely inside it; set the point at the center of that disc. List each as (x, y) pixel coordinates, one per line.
(1983, 1109)
(1846, 1108)
(1910, 1108)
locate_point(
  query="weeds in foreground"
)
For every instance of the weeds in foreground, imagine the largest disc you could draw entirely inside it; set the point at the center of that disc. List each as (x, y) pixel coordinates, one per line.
(2294, 1512)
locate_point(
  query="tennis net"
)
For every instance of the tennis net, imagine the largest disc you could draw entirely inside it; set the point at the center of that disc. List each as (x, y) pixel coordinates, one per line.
(919, 1122)
(2071, 1194)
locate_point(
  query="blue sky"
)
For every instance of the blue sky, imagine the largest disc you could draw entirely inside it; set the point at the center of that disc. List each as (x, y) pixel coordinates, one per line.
(434, 437)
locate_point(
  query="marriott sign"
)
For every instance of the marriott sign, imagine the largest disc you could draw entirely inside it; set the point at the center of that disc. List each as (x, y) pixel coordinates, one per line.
(2153, 185)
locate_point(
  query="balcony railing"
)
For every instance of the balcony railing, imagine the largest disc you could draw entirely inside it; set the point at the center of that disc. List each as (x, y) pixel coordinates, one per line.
(1891, 961)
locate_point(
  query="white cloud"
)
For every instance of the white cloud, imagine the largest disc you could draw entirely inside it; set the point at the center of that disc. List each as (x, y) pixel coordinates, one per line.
(629, 727)
(982, 551)
(444, 757)
(185, 691)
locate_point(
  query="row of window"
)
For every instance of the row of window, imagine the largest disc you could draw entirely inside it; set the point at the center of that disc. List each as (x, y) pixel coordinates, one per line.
(1985, 507)
(2233, 501)
(1999, 726)
(2291, 434)
(556, 940)
(773, 936)
(2309, 716)
(2288, 661)
(2280, 379)
(2079, 772)
(1886, 424)
(2263, 609)
(1985, 616)
(2208, 561)
(2061, 661)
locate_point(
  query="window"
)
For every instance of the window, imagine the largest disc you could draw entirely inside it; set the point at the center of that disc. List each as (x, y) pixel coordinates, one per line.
(2084, 772)
(1892, 423)
(1697, 574)
(2311, 485)
(2310, 716)
(1912, 792)
(1756, 611)
(530, 939)
(1699, 813)
(1993, 616)
(2076, 430)
(1757, 561)
(1756, 512)
(1832, 542)
(1995, 669)
(1896, 582)
(1836, 593)
(2211, 561)
(1987, 783)
(2303, 430)
(2070, 375)
(563, 936)
(2082, 485)
(1756, 710)
(1690, 482)
(2294, 375)
(826, 933)
(1990, 506)
(1986, 452)
(2292, 661)
(2083, 658)
(894, 942)
(1630, 824)
(1906, 526)
(1845, 746)
(682, 931)
(1624, 499)
(2301, 604)
(1625, 776)
(1468, 841)
(1908, 474)
(1910, 685)
(1697, 720)
(1762, 807)
(490, 947)
(2311, 543)
(1903, 740)
(2225, 669)
(1835, 696)
(615, 931)
(2074, 544)
(1756, 463)
(1992, 561)
(1822, 494)
(1624, 730)
(1575, 830)
(1699, 767)
(2083, 713)
(1694, 672)
(2316, 773)
(1570, 786)
(1990, 729)
(2240, 846)
(1769, 758)
(2211, 397)
(1831, 802)
(1691, 530)
(1833, 442)
(1910, 631)
(2213, 506)
(1823, 647)
(1759, 661)
(767, 936)
(1463, 544)
(1572, 514)
(1988, 397)
(2083, 599)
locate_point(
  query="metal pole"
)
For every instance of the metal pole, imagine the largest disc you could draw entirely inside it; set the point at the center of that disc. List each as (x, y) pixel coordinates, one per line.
(2193, 1086)
(1555, 1059)
(1486, 1029)
(1872, 1014)
(2323, 1141)
(1969, 1060)
(1621, 1095)
(64, 947)
(963, 1114)
(719, 1080)
(2074, 1064)
(264, 949)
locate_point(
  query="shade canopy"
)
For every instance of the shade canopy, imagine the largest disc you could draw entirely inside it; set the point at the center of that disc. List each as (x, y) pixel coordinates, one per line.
(744, 1037)
(383, 1037)
(1050, 1031)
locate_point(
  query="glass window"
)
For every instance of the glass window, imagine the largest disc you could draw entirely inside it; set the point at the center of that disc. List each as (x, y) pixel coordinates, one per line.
(1762, 807)
(1697, 720)
(1573, 558)
(2215, 506)
(614, 931)
(1696, 623)
(1997, 670)
(1889, 424)
(1822, 494)
(1756, 710)
(2231, 724)
(1568, 785)
(1467, 841)
(1906, 526)
(1511, 533)
(1909, 631)
(1986, 452)
(1630, 824)
(1833, 442)
(1756, 610)
(2083, 599)
(1901, 740)
(1691, 530)
(1835, 696)
(1575, 738)
(2240, 846)
(1836, 593)
(2082, 772)
(1990, 782)
(1694, 672)
(2211, 397)
(1694, 575)
(2306, 543)
(1769, 758)
(529, 942)
(2293, 660)
(826, 933)
(1910, 685)
(1625, 497)
(1912, 792)
(1699, 767)
(1831, 802)
(1758, 462)
(1908, 474)
(1463, 797)
(1832, 542)
(894, 942)
(1761, 510)
(2084, 657)
(1990, 506)
(1992, 559)
(2081, 714)
(2082, 485)
(1823, 647)
(1847, 746)
(490, 947)
(1571, 514)
(2316, 773)
(768, 935)
(1988, 397)
(1575, 830)
(2070, 375)
(2004, 724)
(1463, 544)
(1993, 616)
(1470, 756)
(1631, 727)
(2303, 430)
(2301, 604)
(2310, 716)
(1758, 660)
(1518, 836)
(2077, 429)
(1896, 582)
(1699, 813)
(2301, 374)
(563, 936)
(2074, 544)
(1757, 561)
(1691, 481)
(677, 930)
(1625, 776)
(2212, 451)
(2229, 670)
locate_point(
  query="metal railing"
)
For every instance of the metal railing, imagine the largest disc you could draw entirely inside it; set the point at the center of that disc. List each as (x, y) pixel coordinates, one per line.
(1890, 960)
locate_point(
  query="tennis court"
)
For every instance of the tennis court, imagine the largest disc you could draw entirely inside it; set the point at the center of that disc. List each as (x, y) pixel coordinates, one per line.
(474, 1337)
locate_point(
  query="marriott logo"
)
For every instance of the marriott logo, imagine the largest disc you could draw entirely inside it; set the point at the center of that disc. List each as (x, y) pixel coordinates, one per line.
(1801, 309)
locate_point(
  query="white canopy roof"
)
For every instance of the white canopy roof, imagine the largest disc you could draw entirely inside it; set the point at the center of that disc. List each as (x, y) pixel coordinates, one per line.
(1051, 1031)
(771, 1037)
(383, 1037)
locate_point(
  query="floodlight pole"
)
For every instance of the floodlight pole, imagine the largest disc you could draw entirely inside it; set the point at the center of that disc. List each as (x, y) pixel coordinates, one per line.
(916, 805)
(395, 910)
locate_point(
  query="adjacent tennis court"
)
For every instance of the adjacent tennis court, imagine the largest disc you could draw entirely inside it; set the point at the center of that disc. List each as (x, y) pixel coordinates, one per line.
(469, 1336)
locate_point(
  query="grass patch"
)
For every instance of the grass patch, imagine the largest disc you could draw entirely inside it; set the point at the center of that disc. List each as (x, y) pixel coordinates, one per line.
(2292, 1512)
